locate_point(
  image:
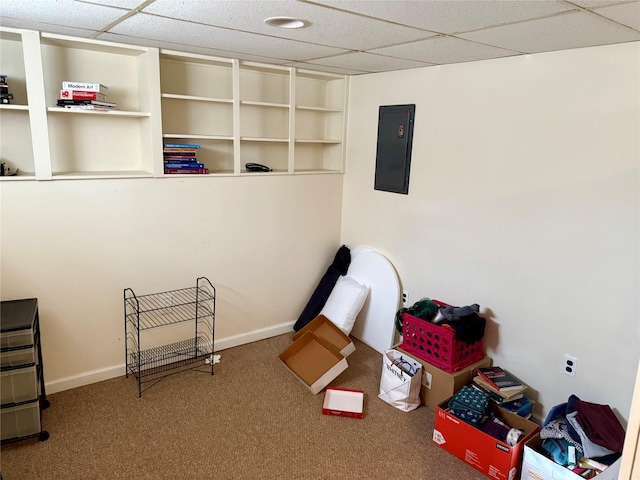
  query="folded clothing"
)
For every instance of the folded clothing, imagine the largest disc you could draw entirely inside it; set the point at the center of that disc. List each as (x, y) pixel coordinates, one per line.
(592, 428)
(601, 425)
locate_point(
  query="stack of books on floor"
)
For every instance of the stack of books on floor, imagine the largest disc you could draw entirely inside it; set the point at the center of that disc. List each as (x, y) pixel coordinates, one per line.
(181, 158)
(504, 390)
(85, 96)
(5, 96)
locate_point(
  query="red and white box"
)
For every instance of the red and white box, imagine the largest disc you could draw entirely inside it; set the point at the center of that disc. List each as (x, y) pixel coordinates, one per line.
(343, 402)
(82, 95)
(490, 456)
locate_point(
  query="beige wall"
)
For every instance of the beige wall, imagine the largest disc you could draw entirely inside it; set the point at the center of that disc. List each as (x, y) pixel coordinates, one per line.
(75, 245)
(524, 198)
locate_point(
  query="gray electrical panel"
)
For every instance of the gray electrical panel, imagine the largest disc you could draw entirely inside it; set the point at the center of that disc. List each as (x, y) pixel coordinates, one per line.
(393, 155)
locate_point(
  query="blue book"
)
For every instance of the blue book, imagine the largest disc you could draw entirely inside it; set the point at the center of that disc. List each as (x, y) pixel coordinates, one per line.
(522, 406)
(183, 165)
(181, 145)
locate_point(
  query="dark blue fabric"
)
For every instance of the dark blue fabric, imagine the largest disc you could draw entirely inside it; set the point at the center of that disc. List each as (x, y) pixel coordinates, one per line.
(319, 297)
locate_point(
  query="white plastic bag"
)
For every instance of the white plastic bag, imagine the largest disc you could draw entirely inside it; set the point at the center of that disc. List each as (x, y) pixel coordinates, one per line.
(400, 380)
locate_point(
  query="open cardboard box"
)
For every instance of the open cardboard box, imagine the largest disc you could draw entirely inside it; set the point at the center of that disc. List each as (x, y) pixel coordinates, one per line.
(487, 454)
(343, 402)
(438, 385)
(314, 361)
(537, 466)
(325, 328)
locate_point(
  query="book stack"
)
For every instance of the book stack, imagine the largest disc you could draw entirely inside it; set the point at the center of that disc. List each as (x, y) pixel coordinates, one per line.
(5, 96)
(181, 158)
(503, 389)
(85, 96)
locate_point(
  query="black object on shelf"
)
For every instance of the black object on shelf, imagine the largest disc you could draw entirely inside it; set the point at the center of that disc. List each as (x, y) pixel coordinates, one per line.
(194, 304)
(23, 390)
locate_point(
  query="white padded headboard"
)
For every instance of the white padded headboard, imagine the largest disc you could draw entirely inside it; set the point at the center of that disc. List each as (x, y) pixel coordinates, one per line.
(375, 325)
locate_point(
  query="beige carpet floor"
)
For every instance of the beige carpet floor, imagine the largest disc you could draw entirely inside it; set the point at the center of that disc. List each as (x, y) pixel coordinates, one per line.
(251, 420)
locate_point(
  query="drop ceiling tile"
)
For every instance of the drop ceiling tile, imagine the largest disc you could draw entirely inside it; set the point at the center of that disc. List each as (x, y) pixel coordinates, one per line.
(327, 26)
(626, 14)
(128, 4)
(324, 68)
(440, 50)
(599, 3)
(66, 13)
(161, 29)
(446, 16)
(368, 62)
(571, 30)
(112, 37)
(44, 27)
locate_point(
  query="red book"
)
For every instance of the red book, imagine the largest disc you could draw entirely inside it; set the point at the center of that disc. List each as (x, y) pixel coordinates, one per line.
(82, 95)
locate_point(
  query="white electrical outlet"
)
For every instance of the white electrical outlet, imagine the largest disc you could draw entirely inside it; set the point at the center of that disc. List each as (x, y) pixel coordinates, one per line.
(405, 298)
(570, 365)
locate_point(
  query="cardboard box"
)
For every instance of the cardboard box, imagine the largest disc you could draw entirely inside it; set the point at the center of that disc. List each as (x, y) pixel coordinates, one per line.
(343, 402)
(314, 361)
(483, 452)
(325, 328)
(438, 385)
(536, 466)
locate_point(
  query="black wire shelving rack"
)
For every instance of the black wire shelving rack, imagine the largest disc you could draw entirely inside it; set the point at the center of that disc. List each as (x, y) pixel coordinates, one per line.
(141, 313)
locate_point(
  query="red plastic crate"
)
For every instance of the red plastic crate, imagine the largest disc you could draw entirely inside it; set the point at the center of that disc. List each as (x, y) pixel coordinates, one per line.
(438, 345)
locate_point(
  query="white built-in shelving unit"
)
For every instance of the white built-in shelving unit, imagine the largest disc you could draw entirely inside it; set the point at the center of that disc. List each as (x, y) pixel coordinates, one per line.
(16, 143)
(289, 119)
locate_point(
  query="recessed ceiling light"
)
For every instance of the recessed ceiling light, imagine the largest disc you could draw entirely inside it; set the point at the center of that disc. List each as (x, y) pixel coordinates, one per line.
(286, 22)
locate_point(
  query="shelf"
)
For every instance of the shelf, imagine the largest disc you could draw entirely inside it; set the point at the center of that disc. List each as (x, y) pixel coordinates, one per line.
(264, 84)
(15, 140)
(195, 98)
(21, 176)
(15, 122)
(168, 307)
(238, 111)
(75, 139)
(216, 152)
(265, 104)
(196, 137)
(24, 108)
(102, 174)
(310, 171)
(115, 113)
(319, 109)
(194, 307)
(73, 133)
(264, 139)
(193, 117)
(168, 357)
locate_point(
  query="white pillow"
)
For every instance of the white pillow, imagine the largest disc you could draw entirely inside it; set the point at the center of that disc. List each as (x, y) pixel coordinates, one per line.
(345, 302)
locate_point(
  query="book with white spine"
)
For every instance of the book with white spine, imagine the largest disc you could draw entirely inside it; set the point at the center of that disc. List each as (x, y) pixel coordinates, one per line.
(92, 87)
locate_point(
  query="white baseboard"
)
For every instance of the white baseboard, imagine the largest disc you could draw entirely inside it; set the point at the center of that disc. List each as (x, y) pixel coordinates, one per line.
(94, 376)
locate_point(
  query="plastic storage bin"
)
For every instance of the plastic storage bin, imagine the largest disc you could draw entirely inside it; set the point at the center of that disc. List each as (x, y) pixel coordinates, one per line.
(17, 358)
(20, 421)
(438, 345)
(20, 338)
(19, 385)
